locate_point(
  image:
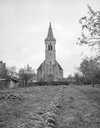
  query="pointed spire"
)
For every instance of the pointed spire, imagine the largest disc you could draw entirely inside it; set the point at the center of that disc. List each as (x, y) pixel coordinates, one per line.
(50, 34)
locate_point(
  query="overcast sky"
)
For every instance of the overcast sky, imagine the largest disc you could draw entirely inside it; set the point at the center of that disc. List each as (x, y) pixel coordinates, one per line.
(24, 26)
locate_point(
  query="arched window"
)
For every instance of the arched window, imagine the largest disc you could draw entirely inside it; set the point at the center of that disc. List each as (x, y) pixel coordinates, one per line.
(50, 47)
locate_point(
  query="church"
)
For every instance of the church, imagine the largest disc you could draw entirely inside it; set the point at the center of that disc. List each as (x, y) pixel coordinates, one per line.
(50, 69)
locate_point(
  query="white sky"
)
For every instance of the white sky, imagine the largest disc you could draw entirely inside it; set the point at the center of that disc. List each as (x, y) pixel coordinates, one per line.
(24, 26)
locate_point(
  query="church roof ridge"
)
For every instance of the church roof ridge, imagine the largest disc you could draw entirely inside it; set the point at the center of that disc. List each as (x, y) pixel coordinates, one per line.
(50, 34)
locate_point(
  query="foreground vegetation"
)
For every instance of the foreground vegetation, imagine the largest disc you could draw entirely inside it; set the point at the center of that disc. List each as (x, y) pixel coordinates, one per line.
(50, 106)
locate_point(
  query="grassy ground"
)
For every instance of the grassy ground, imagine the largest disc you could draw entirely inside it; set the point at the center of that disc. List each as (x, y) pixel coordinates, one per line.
(79, 107)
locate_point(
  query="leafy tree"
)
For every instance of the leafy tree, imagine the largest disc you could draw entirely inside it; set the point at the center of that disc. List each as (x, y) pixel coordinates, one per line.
(3, 70)
(11, 72)
(3, 74)
(77, 78)
(90, 69)
(25, 75)
(70, 79)
(90, 35)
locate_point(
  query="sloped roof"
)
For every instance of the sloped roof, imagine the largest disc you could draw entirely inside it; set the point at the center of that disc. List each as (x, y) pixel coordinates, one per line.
(40, 67)
(59, 66)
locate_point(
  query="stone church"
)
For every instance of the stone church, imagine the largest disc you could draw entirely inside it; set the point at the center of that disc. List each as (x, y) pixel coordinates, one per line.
(50, 69)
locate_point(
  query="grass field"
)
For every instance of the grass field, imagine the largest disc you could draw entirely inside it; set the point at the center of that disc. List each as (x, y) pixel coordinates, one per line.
(75, 107)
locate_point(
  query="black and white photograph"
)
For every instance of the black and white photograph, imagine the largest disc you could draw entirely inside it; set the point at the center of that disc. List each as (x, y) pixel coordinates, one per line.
(49, 63)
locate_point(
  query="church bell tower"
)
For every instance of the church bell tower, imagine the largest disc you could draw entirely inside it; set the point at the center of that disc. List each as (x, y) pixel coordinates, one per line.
(50, 52)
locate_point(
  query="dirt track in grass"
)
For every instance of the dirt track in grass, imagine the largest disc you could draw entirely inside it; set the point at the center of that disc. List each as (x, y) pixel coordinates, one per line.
(72, 107)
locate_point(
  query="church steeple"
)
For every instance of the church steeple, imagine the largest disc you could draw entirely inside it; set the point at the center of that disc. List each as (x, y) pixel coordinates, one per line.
(50, 70)
(50, 36)
(50, 41)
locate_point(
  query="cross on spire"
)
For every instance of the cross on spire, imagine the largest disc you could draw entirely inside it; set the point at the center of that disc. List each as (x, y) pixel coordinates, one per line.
(50, 34)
